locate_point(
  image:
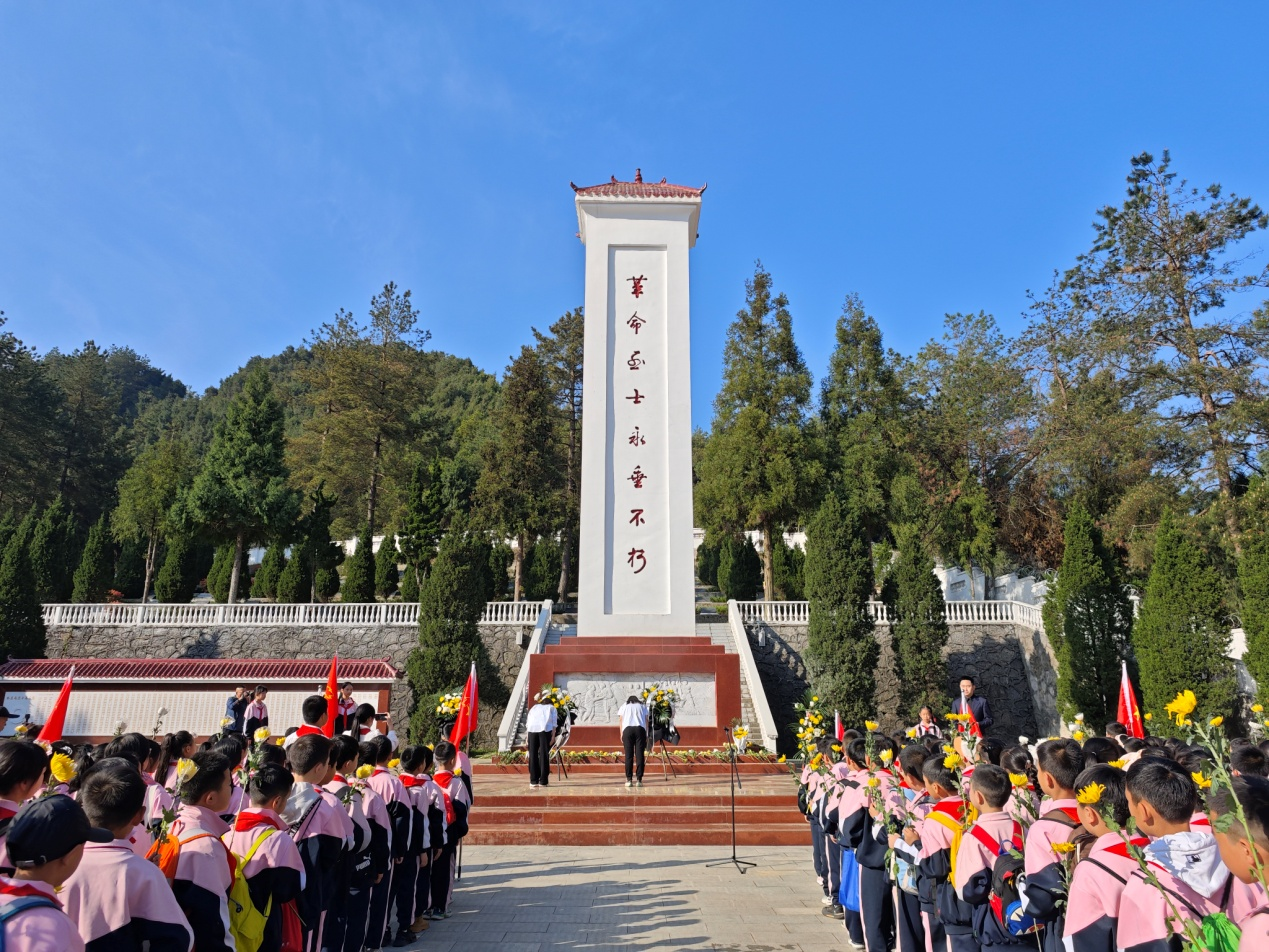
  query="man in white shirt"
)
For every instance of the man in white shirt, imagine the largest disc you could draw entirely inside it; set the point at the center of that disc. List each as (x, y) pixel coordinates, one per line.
(541, 728)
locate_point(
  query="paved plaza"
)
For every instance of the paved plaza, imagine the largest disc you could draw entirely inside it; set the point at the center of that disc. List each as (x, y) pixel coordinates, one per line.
(527, 899)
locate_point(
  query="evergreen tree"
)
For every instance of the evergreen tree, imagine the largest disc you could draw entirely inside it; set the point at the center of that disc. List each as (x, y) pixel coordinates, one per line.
(359, 573)
(1088, 618)
(53, 554)
(265, 584)
(295, 582)
(842, 652)
(739, 569)
(96, 566)
(218, 574)
(130, 570)
(409, 585)
(788, 563)
(326, 583)
(386, 575)
(8, 525)
(496, 578)
(147, 493)
(1253, 579)
(322, 554)
(707, 563)
(1181, 636)
(421, 521)
(757, 471)
(21, 619)
(241, 492)
(919, 630)
(542, 570)
(178, 578)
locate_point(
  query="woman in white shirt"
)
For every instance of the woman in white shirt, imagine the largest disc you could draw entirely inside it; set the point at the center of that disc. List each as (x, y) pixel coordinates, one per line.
(634, 738)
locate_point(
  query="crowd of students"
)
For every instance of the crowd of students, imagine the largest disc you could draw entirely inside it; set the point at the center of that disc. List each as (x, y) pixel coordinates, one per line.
(332, 843)
(1116, 844)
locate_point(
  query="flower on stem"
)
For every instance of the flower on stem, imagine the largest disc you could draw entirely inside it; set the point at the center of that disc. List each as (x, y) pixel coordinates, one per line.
(1148, 716)
(1018, 780)
(953, 761)
(1257, 708)
(1202, 782)
(185, 769)
(871, 725)
(873, 782)
(1079, 718)
(1061, 849)
(225, 722)
(1078, 736)
(1023, 740)
(1181, 706)
(1115, 763)
(394, 763)
(1090, 795)
(887, 755)
(1216, 721)
(364, 771)
(911, 733)
(62, 768)
(261, 735)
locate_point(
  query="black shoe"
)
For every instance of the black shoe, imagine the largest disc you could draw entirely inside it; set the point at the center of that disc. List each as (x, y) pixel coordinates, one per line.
(404, 937)
(835, 911)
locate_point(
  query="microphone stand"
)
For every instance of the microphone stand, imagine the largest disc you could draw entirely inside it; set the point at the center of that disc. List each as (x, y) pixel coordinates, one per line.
(734, 776)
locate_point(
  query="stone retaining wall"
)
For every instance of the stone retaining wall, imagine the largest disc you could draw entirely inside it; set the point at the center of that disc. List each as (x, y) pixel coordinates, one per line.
(394, 642)
(1012, 665)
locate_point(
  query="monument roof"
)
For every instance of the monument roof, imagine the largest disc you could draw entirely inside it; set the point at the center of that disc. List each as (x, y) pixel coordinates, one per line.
(637, 189)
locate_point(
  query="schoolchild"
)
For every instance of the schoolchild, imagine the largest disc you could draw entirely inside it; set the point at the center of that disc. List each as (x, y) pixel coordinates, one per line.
(136, 749)
(948, 920)
(992, 833)
(256, 714)
(810, 785)
(438, 833)
(22, 769)
(346, 921)
(46, 844)
(346, 707)
(314, 711)
(157, 798)
(1101, 750)
(1187, 863)
(849, 805)
(405, 883)
(272, 865)
(1024, 801)
(174, 747)
(905, 841)
(876, 903)
(318, 829)
(1097, 884)
(457, 804)
(234, 748)
(1243, 849)
(377, 752)
(118, 900)
(1248, 760)
(203, 872)
(1058, 764)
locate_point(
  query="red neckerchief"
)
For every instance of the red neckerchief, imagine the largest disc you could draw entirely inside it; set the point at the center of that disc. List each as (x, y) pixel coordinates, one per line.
(249, 821)
(337, 779)
(443, 778)
(953, 808)
(1204, 821)
(307, 730)
(5, 813)
(1121, 848)
(408, 781)
(363, 731)
(1072, 813)
(20, 890)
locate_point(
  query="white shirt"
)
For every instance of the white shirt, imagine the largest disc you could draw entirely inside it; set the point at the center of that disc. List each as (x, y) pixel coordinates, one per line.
(634, 715)
(542, 717)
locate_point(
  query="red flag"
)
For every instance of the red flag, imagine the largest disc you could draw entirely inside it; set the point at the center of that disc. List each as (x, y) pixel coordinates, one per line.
(52, 729)
(1129, 714)
(332, 697)
(468, 710)
(838, 727)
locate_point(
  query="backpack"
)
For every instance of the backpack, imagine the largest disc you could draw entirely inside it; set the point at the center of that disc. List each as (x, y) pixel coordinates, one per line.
(246, 922)
(456, 810)
(165, 853)
(10, 909)
(1006, 872)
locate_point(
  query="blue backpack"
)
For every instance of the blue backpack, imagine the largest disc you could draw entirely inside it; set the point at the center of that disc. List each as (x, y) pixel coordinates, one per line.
(21, 904)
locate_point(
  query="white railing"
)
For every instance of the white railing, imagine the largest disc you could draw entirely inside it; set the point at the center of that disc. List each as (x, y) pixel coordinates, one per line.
(958, 612)
(749, 670)
(262, 614)
(520, 690)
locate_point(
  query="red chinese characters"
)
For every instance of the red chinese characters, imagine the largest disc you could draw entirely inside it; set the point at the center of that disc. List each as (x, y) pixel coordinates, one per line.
(637, 285)
(635, 322)
(636, 555)
(636, 517)
(637, 477)
(637, 397)
(634, 362)
(637, 438)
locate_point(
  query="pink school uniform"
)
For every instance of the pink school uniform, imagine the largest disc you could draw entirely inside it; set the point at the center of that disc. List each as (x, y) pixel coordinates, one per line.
(8, 810)
(1097, 885)
(1045, 891)
(975, 860)
(1189, 866)
(118, 900)
(274, 871)
(1255, 931)
(41, 928)
(320, 830)
(157, 799)
(939, 900)
(204, 874)
(1017, 804)
(392, 792)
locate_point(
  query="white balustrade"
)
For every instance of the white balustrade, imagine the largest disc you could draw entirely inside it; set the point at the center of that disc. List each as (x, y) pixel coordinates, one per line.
(262, 614)
(957, 612)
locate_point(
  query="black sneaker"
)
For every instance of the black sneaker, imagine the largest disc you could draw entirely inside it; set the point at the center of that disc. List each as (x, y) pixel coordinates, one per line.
(835, 911)
(404, 937)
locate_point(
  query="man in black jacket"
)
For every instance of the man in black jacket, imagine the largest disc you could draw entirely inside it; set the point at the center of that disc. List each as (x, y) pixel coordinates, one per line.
(978, 706)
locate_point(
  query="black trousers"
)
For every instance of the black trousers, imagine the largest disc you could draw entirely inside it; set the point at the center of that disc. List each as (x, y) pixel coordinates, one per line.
(910, 925)
(377, 924)
(634, 741)
(442, 871)
(962, 942)
(355, 925)
(876, 908)
(403, 891)
(540, 757)
(819, 856)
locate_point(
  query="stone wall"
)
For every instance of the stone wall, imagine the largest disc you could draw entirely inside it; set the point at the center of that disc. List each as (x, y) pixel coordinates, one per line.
(1012, 666)
(503, 644)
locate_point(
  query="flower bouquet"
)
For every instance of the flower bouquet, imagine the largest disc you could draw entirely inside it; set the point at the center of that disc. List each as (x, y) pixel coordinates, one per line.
(558, 698)
(809, 726)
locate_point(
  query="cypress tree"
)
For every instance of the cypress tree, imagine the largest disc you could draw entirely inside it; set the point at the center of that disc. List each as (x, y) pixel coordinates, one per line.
(919, 630)
(53, 553)
(496, 579)
(326, 582)
(359, 577)
(841, 650)
(1088, 618)
(177, 579)
(788, 564)
(8, 525)
(130, 569)
(542, 570)
(386, 575)
(271, 566)
(421, 522)
(295, 581)
(21, 619)
(739, 569)
(409, 585)
(1181, 637)
(96, 569)
(218, 574)
(1253, 579)
(707, 563)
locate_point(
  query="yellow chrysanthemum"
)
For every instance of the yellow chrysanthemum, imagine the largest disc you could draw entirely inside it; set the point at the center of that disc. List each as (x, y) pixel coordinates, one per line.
(1078, 736)
(873, 782)
(837, 748)
(261, 735)
(1018, 780)
(871, 725)
(226, 721)
(949, 749)
(1090, 795)
(887, 755)
(185, 769)
(1216, 721)
(952, 761)
(1148, 716)
(912, 732)
(1199, 779)
(1062, 848)
(1115, 763)
(1257, 708)
(62, 768)
(1182, 706)
(814, 700)
(394, 763)
(364, 771)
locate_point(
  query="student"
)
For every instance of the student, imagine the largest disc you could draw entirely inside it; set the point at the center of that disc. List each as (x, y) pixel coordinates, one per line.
(906, 843)
(1115, 730)
(1101, 750)
(117, 899)
(390, 793)
(438, 835)
(876, 902)
(174, 747)
(457, 802)
(847, 810)
(157, 798)
(273, 870)
(314, 710)
(344, 713)
(233, 747)
(1092, 909)
(46, 844)
(993, 831)
(405, 882)
(346, 922)
(1248, 760)
(22, 768)
(365, 726)
(256, 714)
(540, 726)
(1058, 764)
(1024, 801)
(203, 871)
(319, 832)
(1162, 797)
(1242, 849)
(926, 725)
(948, 920)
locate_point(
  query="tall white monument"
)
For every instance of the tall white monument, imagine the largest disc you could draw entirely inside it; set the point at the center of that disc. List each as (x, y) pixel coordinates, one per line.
(636, 573)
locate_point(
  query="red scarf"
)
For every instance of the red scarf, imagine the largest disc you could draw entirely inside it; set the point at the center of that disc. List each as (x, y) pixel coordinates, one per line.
(408, 781)
(20, 890)
(306, 730)
(338, 779)
(953, 808)
(249, 821)
(1121, 848)
(5, 813)
(443, 778)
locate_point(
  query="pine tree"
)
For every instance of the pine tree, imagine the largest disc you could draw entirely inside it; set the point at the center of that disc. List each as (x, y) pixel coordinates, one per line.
(1088, 618)
(919, 630)
(387, 577)
(53, 553)
(322, 555)
(147, 493)
(177, 579)
(359, 574)
(96, 566)
(409, 585)
(265, 584)
(1181, 636)
(1253, 579)
(842, 652)
(21, 619)
(8, 525)
(295, 582)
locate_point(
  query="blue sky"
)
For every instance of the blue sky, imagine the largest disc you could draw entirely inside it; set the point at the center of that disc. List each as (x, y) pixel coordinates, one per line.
(204, 182)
